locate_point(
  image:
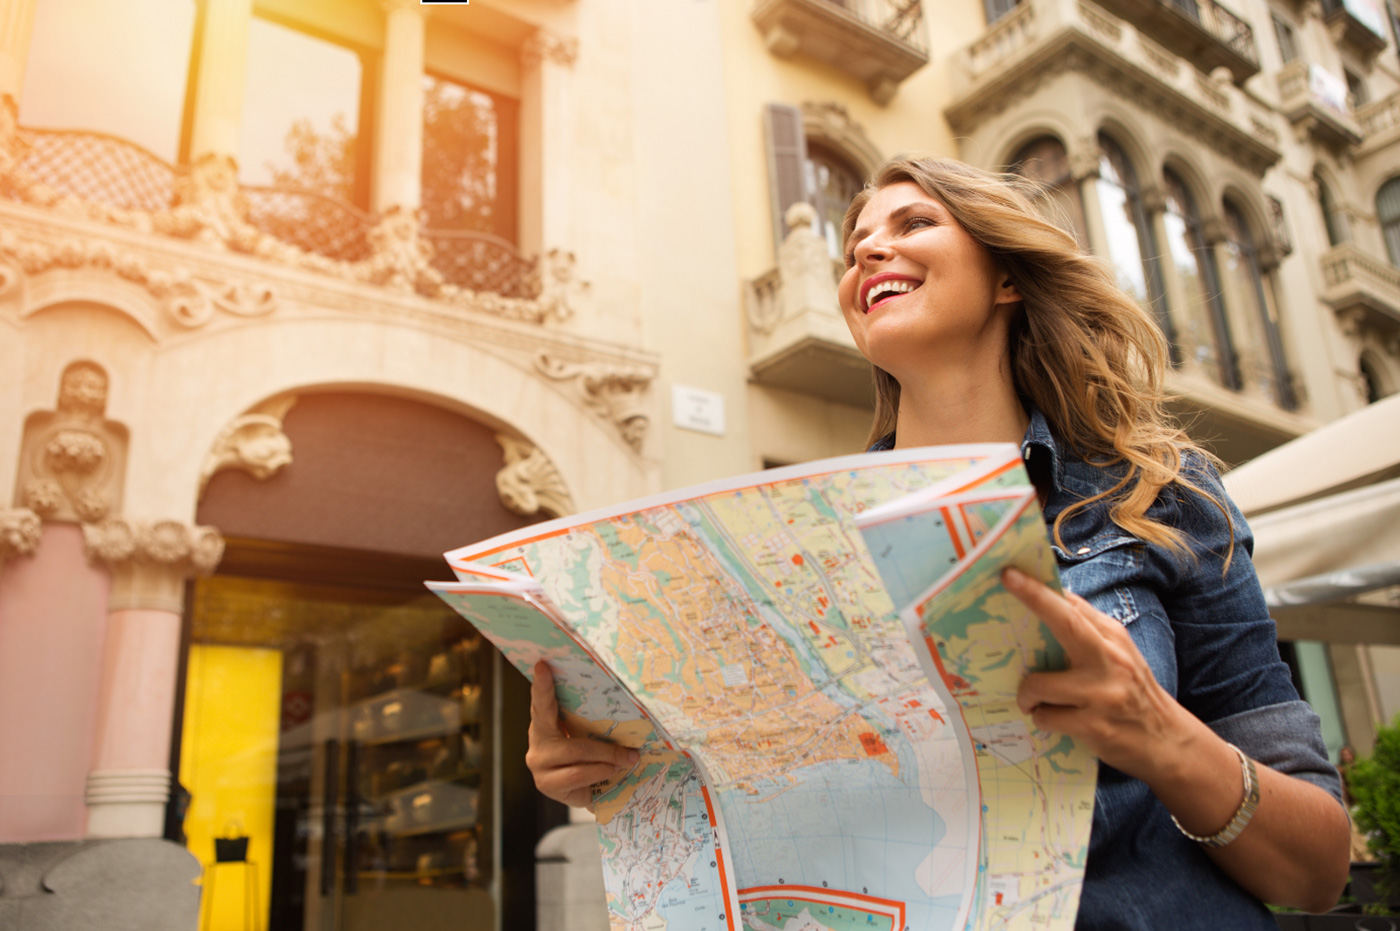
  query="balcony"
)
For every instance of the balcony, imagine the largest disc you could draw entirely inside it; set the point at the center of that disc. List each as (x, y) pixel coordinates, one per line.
(798, 339)
(1316, 102)
(1357, 23)
(1041, 39)
(1202, 31)
(881, 42)
(1363, 291)
(96, 178)
(1380, 124)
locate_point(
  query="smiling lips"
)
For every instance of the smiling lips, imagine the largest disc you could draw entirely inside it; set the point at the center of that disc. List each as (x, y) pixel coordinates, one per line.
(882, 287)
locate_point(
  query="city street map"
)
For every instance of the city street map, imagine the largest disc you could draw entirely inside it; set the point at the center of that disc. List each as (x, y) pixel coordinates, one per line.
(818, 667)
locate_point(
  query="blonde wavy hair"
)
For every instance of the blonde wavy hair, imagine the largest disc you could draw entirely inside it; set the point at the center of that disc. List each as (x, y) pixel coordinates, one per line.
(1082, 351)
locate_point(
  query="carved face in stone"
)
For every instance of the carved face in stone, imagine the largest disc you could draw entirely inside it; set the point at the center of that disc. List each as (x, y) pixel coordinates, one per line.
(83, 389)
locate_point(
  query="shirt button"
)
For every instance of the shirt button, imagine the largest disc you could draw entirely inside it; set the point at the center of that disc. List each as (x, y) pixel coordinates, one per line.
(1082, 551)
(1026, 453)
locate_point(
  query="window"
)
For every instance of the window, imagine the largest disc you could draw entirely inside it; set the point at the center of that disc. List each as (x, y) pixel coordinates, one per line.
(303, 107)
(1287, 46)
(1129, 243)
(118, 68)
(996, 9)
(1045, 160)
(1357, 89)
(811, 171)
(1388, 212)
(1333, 219)
(1247, 291)
(470, 153)
(831, 183)
(1204, 332)
(1370, 381)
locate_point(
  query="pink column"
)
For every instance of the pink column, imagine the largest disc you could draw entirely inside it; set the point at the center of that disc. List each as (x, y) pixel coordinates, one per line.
(129, 781)
(53, 617)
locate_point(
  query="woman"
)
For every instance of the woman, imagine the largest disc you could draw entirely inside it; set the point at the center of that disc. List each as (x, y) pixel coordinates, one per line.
(986, 323)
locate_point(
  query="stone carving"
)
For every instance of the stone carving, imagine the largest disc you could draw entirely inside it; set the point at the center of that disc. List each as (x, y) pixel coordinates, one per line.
(253, 442)
(529, 484)
(615, 393)
(400, 258)
(72, 459)
(559, 287)
(169, 543)
(543, 46)
(20, 530)
(833, 123)
(187, 300)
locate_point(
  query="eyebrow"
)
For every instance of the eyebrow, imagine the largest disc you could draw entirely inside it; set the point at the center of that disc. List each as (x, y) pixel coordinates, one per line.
(899, 213)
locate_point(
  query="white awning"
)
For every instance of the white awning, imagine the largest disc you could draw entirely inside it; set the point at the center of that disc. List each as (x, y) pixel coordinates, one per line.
(1345, 531)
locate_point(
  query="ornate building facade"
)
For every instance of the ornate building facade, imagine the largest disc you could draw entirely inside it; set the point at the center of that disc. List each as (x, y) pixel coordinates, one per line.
(298, 294)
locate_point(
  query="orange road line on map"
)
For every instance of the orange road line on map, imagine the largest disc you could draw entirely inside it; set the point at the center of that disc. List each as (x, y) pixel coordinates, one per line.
(953, 532)
(729, 917)
(893, 908)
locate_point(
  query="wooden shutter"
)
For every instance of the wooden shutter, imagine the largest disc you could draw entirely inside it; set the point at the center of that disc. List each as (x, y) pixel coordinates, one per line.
(787, 162)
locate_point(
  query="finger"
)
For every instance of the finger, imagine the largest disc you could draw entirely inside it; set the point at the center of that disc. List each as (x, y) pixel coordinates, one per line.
(1067, 688)
(544, 707)
(567, 781)
(1073, 632)
(563, 753)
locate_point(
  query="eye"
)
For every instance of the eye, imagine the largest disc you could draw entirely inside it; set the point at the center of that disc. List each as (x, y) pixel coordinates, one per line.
(918, 223)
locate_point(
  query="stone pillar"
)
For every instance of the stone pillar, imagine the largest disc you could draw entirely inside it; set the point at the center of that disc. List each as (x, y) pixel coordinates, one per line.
(546, 140)
(16, 29)
(223, 56)
(129, 782)
(398, 138)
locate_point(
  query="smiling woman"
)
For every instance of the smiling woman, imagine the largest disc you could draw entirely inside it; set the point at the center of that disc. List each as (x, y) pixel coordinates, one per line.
(985, 322)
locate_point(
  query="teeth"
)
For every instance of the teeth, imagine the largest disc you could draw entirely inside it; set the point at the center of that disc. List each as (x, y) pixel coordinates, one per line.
(887, 289)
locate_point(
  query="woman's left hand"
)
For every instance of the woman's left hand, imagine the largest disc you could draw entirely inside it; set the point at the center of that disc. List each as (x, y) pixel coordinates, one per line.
(1294, 850)
(1108, 698)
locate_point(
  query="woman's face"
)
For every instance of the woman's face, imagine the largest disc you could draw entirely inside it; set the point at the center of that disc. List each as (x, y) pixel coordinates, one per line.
(919, 290)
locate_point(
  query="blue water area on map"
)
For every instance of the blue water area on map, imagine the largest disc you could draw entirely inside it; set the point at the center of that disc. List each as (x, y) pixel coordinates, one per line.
(850, 824)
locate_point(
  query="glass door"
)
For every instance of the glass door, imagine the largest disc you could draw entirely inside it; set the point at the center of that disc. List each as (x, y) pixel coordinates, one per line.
(345, 740)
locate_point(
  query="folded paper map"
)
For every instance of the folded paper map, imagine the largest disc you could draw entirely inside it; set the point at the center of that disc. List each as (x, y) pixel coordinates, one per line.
(818, 666)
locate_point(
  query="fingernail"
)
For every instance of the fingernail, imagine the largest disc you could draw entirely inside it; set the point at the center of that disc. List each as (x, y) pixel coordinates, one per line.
(632, 757)
(1013, 576)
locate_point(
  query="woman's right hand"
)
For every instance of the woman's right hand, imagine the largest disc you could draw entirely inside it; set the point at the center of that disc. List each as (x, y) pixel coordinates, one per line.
(566, 768)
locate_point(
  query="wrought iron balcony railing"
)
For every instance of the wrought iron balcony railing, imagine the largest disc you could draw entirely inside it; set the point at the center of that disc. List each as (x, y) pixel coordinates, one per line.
(99, 176)
(1204, 32)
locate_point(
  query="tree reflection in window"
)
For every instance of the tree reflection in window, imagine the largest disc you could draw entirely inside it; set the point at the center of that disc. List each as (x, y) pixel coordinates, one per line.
(1203, 330)
(1251, 295)
(831, 183)
(469, 156)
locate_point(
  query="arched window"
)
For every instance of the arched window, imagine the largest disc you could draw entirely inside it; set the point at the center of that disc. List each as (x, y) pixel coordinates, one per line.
(831, 183)
(1250, 294)
(1332, 218)
(1388, 212)
(1046, 161)
(1370, 381)
(1129, 244)
(1203, 331)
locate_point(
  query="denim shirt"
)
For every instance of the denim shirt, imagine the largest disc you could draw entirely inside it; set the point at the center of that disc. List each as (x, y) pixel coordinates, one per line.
(1207, 635)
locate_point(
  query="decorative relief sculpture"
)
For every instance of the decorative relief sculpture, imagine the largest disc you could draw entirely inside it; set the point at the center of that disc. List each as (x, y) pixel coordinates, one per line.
(166, 543)
(72, 459)
(253, 442)
(615, 393)
(400, 258)
(529, 484)
(20, 529)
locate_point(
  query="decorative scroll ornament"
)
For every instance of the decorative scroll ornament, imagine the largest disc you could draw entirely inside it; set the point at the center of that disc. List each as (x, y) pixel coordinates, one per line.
(72, 459)
(167, 543)
(20, 529)
(253, 442)
(615, 393)
(543, 46)
(529, 484)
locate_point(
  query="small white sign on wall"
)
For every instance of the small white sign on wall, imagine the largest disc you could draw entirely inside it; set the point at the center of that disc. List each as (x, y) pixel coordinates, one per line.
(697, 409)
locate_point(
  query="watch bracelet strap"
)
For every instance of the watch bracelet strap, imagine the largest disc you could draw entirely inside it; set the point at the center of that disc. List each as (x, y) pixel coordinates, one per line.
(1242, 815)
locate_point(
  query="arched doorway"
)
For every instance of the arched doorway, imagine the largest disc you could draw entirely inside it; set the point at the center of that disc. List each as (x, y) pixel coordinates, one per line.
(361, 736)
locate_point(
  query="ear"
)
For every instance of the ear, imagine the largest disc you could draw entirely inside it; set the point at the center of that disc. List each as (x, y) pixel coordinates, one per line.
(1007, 292)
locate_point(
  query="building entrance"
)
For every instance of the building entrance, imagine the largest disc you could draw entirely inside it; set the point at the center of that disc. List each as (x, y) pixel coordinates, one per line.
(340, 748)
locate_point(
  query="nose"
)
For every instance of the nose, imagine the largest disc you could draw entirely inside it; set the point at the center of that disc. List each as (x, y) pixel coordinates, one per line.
(872, 248)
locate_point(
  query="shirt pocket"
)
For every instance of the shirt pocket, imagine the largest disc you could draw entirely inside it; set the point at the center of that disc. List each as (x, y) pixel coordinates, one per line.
(1103, 570)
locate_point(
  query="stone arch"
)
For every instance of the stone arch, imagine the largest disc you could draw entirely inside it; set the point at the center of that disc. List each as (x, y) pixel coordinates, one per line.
(1005, 147)
(1373, 365)
(1181, 164)
(187, 409)
(831, 125)
(1123, 129)
(94, 291)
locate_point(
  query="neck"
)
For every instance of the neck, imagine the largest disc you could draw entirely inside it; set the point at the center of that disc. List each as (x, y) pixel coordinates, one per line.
(955, 407)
